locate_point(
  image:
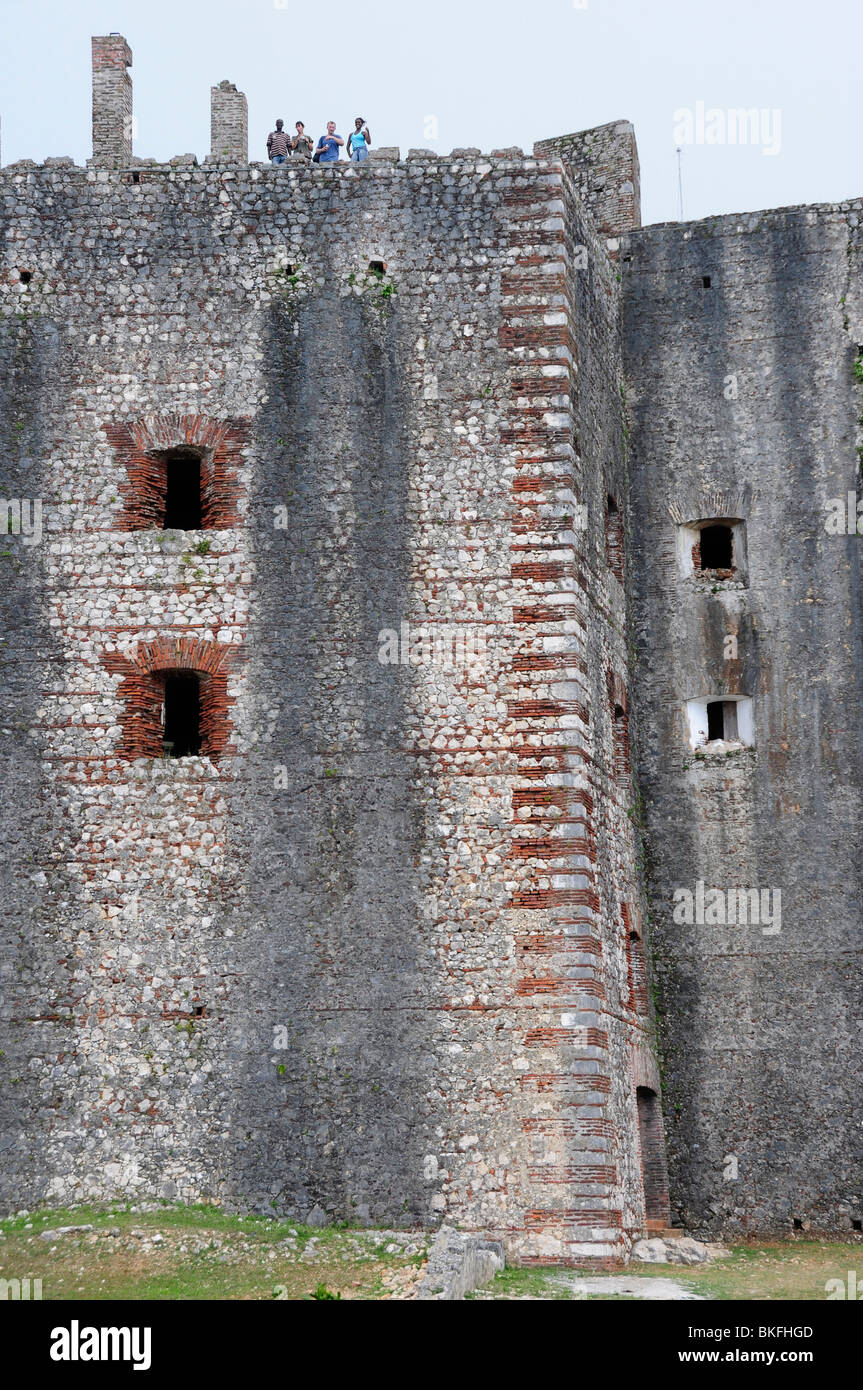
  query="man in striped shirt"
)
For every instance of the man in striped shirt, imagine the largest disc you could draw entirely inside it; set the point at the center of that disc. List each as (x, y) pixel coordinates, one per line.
(278, 144)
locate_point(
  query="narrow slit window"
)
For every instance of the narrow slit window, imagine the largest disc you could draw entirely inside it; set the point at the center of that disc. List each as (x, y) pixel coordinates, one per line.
(614, 537)
(637, 973)
(621, 745)
(183, 501)
(716, 548)
(182, 715)
(705, 282)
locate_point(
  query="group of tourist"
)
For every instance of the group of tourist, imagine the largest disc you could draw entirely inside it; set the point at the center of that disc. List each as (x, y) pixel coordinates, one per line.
(281, 146)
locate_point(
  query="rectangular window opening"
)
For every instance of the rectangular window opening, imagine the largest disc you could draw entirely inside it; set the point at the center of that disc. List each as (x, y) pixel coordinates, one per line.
(182, 721)
(183, 501)
(712, 721)
(705, 282)
(716, 548)
(722, 720)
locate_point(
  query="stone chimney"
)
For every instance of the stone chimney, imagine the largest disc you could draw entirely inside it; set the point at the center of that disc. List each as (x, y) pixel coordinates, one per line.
(229, 125)
(112, 101)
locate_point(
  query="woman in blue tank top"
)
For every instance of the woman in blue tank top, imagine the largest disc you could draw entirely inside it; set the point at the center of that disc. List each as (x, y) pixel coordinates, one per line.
(359, 141)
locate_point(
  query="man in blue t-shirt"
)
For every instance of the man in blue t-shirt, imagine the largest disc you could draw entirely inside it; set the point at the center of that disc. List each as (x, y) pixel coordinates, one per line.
(328, 145)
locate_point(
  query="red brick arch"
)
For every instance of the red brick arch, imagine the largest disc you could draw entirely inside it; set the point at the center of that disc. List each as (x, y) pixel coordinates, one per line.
(141, 693)
(141, 446)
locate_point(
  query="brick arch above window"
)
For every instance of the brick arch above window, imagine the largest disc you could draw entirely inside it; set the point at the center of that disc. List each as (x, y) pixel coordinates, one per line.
(142, 447)
(141, 692)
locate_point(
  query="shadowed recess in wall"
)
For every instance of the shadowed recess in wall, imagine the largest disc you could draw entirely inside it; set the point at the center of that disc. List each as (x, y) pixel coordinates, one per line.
(32, 978)
(335, 1041)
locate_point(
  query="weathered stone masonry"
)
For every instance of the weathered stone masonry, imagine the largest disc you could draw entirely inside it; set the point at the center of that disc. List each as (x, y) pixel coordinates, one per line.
(380, 949)
(745, 406)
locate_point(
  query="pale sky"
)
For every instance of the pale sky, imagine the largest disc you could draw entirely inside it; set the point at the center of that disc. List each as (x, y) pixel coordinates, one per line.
(487, 73)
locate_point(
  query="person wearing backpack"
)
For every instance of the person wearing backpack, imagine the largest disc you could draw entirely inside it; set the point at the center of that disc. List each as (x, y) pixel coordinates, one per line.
(359, 141)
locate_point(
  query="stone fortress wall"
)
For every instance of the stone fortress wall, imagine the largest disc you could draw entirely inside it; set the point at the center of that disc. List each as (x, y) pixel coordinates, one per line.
(379, 952)
(742, 335)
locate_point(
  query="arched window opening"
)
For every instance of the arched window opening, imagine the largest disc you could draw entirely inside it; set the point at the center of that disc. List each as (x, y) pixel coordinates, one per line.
(181, 718)
(174, 698)
(652, 1155)
(183, 499)
(181, 472)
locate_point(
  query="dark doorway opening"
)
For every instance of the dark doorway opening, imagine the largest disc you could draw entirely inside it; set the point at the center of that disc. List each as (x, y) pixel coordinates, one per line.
(715, 721)
(183, 503)
(716, 548)
(652, 1155)
(721, 720)
(182, 734)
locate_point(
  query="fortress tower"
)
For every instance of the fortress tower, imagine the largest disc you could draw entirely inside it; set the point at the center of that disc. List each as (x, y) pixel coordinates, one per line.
(326, 889)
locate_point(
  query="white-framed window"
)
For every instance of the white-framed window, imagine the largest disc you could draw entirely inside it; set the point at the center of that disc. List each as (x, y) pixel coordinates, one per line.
(727, 719)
